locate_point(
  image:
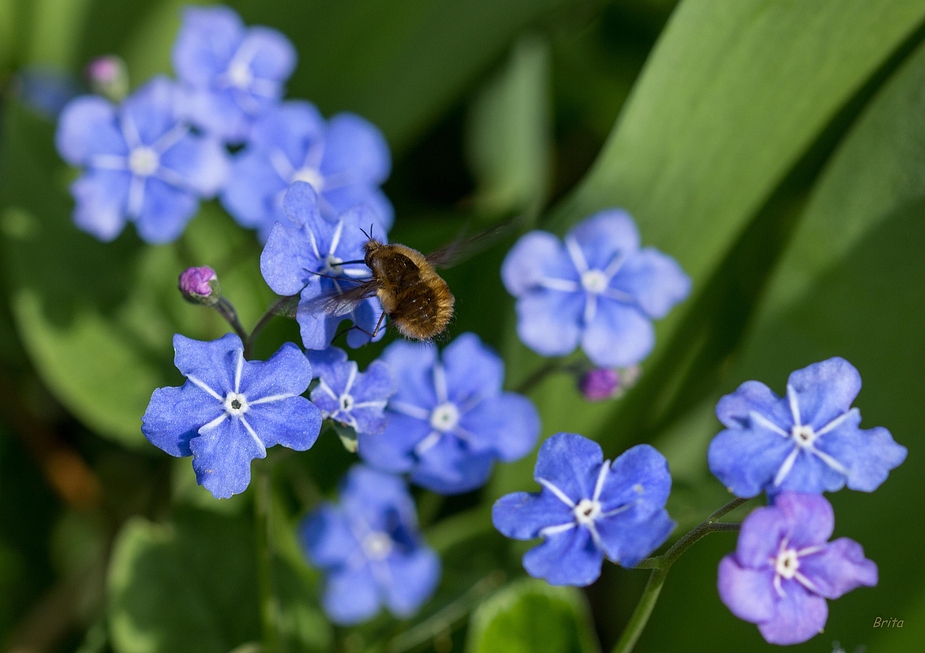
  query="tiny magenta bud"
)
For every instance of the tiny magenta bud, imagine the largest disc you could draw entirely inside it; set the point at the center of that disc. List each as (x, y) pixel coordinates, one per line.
(108, 76)
(200, 285)
(599, 384)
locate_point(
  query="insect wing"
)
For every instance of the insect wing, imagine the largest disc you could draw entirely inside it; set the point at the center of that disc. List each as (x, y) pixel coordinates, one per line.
(340, 301)
(462, 249)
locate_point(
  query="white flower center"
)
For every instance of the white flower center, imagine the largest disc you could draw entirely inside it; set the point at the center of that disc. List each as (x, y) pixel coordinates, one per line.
(309, 176)
(587, 511)
(239, 74)
(803, 435)
(332, 265)
(377, 545)
(346, 402)
(594, 281)
(143, 161)
(445, 417)
(787, 563)
(235, 404)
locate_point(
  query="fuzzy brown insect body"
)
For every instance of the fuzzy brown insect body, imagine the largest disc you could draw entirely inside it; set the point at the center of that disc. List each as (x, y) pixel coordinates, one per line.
(412, 294)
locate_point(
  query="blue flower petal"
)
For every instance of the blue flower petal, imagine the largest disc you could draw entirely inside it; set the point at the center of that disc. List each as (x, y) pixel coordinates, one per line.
(628, 537)
(371, 494)
(548, 321)
(522, 515)
(760, 536)
(165, 212)
(448, 467)
(354, 147)
(338, 200)
(868, 454)
(101, 197)
(809, 474)
(87, 127)
(746, 461)
(655, 280)
(285, 260)
(351, 595)
(375, 383)
(733, 410)
(327, 538)
(294, 423)
(416, 577)
(254, 192)
(331, 364)
(840, 568)
(568, 558)
(507, 425)
(618, 336)
(639, 476)
(797, 618)
(206, 41)
(174, 416)
(213, 363)
(291, 129)
(200, 161)
(218, 113)
(571, 463)
(392, 449)
(412, 364)
(472, 369)
(222, 458)
(151, 111)
(536, 256)
(825, 390)
(274, 57)
(286, 373)
(300, 205)
(604, 236)
(748, 593)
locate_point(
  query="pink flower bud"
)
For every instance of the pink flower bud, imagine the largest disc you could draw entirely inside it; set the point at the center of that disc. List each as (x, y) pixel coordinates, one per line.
(200, 285)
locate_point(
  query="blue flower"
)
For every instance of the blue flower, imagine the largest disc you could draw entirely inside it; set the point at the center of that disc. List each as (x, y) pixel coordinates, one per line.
(347, 396)
(230, 410)
(345, 160)
(141, 163)
(231, 74)
(598, 290)
(784, 568)
(809, 441)
(371, 550)
(307, 246)
(449, 420)
(588, 509)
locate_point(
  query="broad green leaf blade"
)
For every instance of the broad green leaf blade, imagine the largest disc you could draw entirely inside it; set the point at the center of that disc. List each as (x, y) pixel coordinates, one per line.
(530, 616)
(185, 587)
(509, 132)
(97, 319)
(851, 283)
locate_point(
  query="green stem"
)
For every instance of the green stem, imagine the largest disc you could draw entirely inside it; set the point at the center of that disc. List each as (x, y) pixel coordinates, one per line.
(660, 566)
(272, 312)
(227, 311)
(268, 601)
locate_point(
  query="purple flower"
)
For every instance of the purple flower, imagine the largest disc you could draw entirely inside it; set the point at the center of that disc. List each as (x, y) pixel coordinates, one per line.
(230, 410)
(350, 397)
(588, 509)
(231, 74)
(784, 568)
(141, 163)
(449, 420)
(370, 549)
(598, 290)
(308, 246)
(345, 160)
(199, 285)
(808, 441)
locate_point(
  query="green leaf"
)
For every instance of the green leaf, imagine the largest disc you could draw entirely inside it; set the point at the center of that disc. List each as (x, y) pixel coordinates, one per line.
(851, 283)
(185, 587)
(97, 319)
(509, 132)
(530, 616)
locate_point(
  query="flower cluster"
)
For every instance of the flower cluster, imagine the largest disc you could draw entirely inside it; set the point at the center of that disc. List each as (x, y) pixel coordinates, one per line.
(153, 157)
(598, 289)
(370, 547)
(794, 448)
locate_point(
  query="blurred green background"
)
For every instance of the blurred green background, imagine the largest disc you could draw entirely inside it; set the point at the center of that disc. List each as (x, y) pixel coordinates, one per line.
(776, 148)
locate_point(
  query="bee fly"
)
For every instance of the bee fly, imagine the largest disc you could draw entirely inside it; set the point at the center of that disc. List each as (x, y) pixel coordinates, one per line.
(416, 299)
